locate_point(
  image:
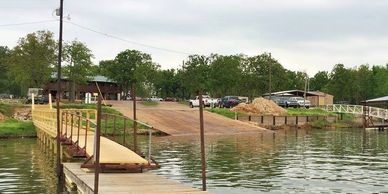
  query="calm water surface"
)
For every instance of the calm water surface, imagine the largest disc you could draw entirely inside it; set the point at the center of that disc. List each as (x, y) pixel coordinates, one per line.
(26, 167)
(303, 161)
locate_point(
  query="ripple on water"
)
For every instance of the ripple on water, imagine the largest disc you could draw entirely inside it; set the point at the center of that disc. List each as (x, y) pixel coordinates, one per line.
(313, 161)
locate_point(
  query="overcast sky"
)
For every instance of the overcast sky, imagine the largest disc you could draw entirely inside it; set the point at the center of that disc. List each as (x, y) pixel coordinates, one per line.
(309, 35)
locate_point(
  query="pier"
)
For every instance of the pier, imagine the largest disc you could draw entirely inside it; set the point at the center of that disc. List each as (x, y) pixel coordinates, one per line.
(122, 170)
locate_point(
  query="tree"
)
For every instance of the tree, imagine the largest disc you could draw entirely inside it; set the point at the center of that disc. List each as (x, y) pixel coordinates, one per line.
(129, 68)
(380, 81)
(225, 74)
(32, 60)
(4, 81)
(196, 74)
(78, 64)
(340, 83)
(319, 81)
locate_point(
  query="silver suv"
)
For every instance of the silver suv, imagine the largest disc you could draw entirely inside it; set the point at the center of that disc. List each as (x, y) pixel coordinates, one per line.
(297, 102)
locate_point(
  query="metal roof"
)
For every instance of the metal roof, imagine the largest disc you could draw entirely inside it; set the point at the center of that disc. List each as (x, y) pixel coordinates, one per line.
(296, 93)
(380, 99)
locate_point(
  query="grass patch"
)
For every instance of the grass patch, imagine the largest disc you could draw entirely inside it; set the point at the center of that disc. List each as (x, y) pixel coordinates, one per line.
(105, 109)
(15, 128)
(6, 109)
(225, 112)
(150, 103)
(310, 111)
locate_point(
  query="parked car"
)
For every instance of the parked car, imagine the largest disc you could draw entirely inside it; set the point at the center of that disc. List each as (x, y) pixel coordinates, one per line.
(155, 98)
(298, 102)
(281, 100)
(170, 99)
(207, 101)
(229, 101)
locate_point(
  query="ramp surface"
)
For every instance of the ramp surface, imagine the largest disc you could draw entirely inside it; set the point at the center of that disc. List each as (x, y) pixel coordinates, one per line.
(177, 119)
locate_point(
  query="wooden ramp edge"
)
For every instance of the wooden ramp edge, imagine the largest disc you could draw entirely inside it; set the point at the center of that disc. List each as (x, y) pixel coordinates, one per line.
(110, 152)
(129, 183)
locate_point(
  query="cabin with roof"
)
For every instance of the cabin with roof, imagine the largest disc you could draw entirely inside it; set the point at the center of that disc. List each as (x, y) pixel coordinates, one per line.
(108, 88)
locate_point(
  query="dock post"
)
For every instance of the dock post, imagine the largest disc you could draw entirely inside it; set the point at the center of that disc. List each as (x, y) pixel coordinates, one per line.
(202, 134)
(273, 120)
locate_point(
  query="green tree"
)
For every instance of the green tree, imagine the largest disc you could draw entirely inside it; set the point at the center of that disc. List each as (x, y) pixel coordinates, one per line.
(4, 81)
(130, 68)
(78, 65)
(340, 84)
(196, 74)
(225, 74)
(319, 81)
(32, 60)
(380, 81)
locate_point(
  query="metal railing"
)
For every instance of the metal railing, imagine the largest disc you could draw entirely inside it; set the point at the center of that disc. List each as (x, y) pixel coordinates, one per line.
(358, 110)
(78, 124)
(121, 130)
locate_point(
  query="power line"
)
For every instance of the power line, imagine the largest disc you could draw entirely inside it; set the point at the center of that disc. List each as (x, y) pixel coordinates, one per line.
(128, 41)
(27, 23)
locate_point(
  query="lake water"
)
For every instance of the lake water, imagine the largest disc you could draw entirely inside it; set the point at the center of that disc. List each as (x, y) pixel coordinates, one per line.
(295, 161)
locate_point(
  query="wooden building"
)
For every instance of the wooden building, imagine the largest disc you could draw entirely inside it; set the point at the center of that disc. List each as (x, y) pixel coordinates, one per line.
(97, 84)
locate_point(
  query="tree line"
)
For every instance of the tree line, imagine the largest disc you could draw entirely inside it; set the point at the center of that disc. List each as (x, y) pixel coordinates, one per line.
(32, 63)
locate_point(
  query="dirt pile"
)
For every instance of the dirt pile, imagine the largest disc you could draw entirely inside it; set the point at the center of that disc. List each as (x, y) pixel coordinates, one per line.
(2, 117)
(260, 106)
(22, 114)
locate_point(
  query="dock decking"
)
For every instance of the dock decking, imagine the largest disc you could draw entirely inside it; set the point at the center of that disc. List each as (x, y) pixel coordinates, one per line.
(129, 183)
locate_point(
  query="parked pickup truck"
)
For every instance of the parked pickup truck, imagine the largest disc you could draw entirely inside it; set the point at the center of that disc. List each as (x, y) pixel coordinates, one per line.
(297, 102)
(207, 101)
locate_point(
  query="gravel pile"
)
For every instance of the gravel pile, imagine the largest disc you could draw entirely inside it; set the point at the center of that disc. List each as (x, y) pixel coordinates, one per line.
(260, 106)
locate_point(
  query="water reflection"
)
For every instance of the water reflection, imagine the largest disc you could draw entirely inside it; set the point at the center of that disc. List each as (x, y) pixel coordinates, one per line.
(25, 167)
(303, 161)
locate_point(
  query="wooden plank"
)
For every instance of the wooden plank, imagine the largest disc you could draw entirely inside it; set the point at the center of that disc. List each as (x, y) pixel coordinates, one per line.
(145, 183)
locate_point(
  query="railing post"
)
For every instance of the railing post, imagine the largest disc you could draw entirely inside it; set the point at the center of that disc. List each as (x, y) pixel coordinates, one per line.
(125, 129)
(97, 147)
(149, 143)
(79, 127)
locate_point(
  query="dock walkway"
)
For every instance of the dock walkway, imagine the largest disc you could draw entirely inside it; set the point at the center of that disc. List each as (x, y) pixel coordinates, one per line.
(128, 183)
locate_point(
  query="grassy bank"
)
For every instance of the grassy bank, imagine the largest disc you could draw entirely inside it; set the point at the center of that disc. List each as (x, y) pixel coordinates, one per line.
(14, 128)
(105, 109)
(225, 112)
(308, 112)
(150, 103)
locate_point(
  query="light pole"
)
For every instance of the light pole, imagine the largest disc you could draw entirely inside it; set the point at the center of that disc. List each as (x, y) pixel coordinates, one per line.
(59, 164)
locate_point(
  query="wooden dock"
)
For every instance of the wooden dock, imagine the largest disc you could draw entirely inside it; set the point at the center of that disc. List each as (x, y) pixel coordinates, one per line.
(129, 183)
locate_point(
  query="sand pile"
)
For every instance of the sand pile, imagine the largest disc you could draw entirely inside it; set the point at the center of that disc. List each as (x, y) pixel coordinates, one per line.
(2, 117)
(260, 106)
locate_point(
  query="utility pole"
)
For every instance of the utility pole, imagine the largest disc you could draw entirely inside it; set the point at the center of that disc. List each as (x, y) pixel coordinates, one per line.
(58, 158)
(305, 88)
(270, 77)
(202, 134)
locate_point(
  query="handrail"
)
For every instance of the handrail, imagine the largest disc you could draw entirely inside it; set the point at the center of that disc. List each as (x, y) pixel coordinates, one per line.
(124, 131)
(75, 125)
(358, 110)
